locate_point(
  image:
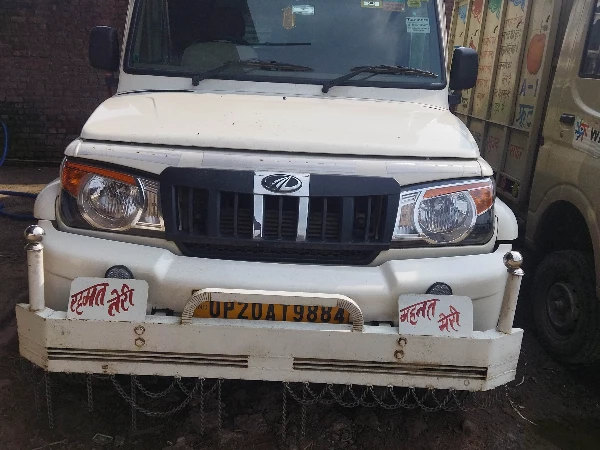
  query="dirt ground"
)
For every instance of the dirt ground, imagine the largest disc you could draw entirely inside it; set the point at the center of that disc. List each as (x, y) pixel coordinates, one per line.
(548, 406)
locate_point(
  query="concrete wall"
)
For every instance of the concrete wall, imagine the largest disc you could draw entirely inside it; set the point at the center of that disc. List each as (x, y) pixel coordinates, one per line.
(47, 88)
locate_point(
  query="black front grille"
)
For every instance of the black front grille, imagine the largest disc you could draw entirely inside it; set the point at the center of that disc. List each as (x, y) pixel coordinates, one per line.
(210, 217)
(235, 213)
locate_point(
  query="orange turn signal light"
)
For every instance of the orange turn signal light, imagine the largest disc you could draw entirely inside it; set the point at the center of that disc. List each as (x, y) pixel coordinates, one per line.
(73, 173)
(481, 192)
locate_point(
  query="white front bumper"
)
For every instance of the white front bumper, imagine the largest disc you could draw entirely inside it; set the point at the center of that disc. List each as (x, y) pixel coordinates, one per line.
(295, 352)
(274, 351)
(172, 278)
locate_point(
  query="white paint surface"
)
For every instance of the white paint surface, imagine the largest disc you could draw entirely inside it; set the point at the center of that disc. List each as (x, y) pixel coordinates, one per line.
(282, 124)
(264, 350)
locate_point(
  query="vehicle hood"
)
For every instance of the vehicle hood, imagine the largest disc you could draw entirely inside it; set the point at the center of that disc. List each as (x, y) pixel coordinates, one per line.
(282, 124)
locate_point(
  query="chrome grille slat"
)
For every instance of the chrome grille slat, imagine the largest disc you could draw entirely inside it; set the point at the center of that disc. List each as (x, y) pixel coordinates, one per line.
(257, 229)
(302, 219)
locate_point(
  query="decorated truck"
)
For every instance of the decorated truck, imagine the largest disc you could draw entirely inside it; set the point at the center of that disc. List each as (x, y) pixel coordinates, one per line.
(277, 192)
(535, 113)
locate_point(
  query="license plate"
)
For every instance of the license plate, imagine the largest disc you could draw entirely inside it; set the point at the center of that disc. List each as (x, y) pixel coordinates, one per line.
(276, 313)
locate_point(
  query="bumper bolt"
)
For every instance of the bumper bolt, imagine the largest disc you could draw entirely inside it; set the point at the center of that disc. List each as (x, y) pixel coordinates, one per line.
(140, 342)
(399, 354)
(139, 330)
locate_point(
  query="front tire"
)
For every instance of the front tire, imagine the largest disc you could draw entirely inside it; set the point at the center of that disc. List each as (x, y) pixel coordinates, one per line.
(565, 307)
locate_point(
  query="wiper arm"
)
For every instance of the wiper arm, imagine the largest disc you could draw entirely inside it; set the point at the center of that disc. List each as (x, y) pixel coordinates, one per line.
(376, 70)
(256, 63)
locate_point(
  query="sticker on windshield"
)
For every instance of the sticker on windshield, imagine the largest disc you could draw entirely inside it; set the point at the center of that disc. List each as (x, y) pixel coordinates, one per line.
(371, 4)
(289, 20)
(394, 5)
(303, 10)
(417, 25)
(413, 3)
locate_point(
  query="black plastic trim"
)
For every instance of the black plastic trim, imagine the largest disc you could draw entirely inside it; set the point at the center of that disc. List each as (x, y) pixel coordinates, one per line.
(241, 181)
(255, 243)
(501, 242)
(280, 254)
(351, 186)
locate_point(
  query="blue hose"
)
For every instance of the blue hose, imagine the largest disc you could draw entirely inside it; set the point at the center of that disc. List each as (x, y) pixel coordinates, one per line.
(13, 215)
(12, 193)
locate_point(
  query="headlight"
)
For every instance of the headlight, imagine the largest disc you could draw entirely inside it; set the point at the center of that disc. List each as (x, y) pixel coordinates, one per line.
(454, 212)
(108, 199)
(110, 204)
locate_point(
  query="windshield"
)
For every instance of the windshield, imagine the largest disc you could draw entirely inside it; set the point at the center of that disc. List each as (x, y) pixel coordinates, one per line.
(329, 37)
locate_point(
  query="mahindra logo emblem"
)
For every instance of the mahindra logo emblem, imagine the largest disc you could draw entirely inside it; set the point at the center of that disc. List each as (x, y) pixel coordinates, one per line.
(281, 183)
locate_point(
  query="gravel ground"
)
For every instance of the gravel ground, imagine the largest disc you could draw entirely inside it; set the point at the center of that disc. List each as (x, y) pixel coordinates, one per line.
(547, 406)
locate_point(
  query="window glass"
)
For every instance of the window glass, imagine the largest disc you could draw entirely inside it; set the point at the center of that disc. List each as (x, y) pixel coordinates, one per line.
(590, 64)
(186, 37)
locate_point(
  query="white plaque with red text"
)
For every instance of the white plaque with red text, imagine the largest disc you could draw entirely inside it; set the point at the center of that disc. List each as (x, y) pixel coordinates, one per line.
(108, 299)
(435, 315)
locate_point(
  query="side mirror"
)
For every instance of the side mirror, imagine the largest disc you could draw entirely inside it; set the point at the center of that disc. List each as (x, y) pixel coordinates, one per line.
(104, 49)
(465, 65)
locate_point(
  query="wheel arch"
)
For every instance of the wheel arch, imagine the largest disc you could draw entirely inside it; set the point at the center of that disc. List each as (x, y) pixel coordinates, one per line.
(565, 220)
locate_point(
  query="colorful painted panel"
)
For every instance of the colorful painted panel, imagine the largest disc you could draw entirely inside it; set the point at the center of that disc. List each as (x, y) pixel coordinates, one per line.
(511, 46)
(488, 57)
(474, 34)
(534, 58)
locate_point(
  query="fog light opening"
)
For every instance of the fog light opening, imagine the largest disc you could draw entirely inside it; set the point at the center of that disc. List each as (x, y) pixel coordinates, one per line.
(439, 288)
(119, 272)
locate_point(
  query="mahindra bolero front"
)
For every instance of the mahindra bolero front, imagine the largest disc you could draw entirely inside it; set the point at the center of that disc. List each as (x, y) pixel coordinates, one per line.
(279, 193)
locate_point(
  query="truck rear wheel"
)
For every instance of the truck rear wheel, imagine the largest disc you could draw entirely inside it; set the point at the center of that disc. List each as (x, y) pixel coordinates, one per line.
(566, 310)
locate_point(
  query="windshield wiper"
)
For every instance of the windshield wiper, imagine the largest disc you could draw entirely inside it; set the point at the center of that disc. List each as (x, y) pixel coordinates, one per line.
(376, 70)
(256, 63)
(279, 44)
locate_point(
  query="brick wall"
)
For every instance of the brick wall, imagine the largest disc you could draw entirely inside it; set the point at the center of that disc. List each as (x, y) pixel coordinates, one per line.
(47, 88)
